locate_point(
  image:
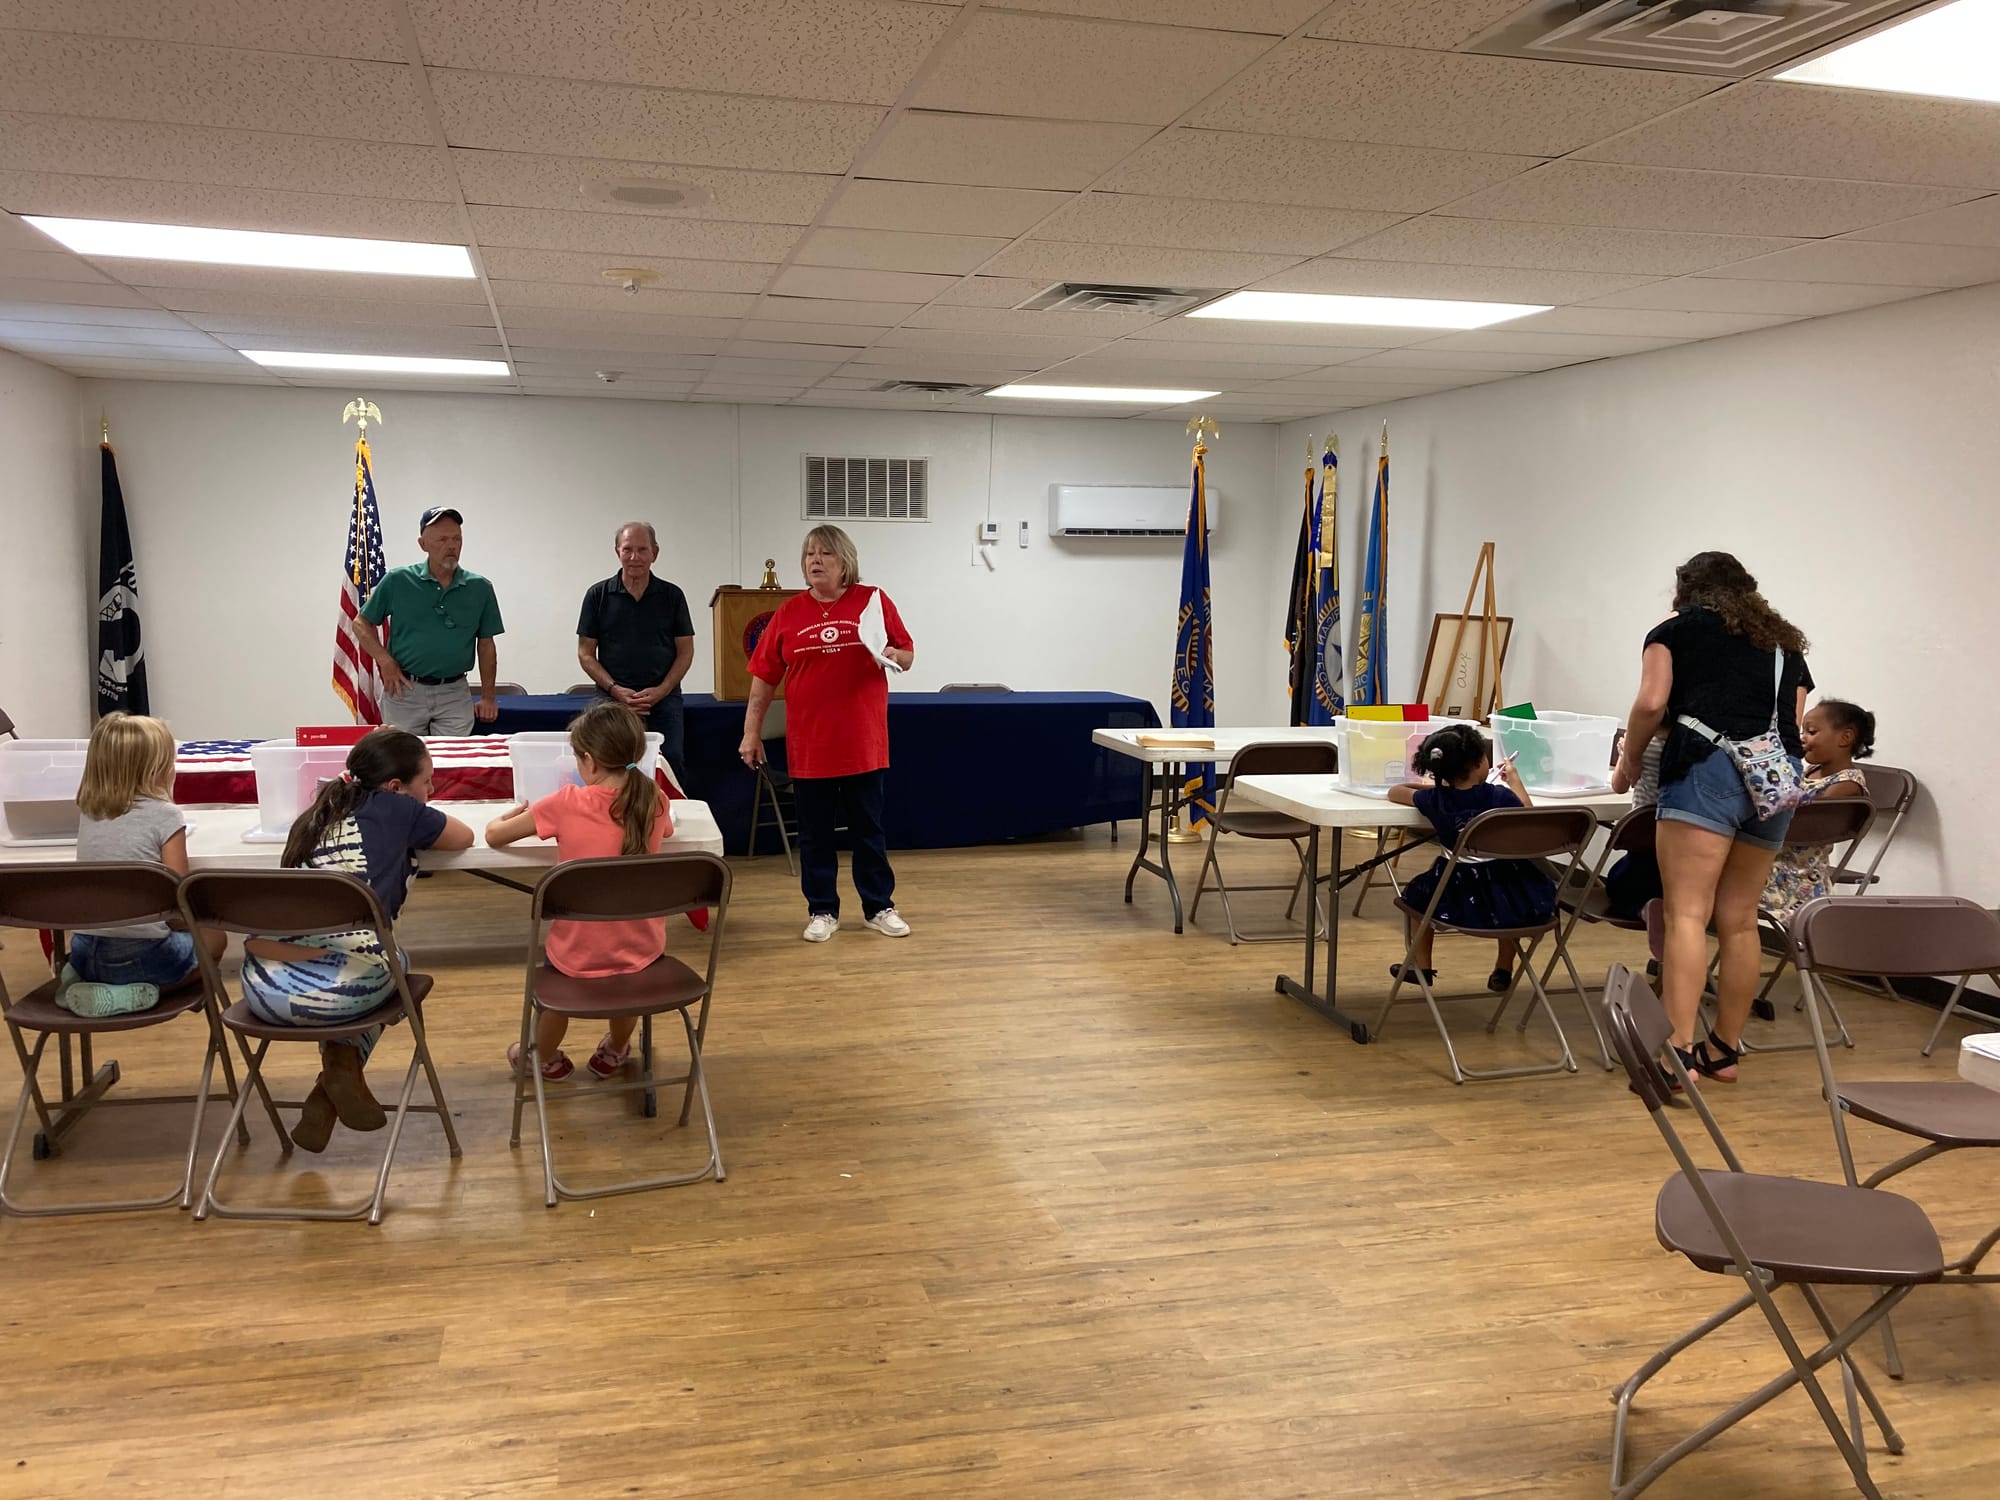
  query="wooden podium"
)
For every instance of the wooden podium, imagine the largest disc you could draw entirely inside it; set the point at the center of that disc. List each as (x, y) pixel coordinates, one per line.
(739, 617)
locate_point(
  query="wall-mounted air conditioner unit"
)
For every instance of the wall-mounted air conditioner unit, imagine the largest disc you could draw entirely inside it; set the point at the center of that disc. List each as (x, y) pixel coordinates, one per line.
(1114, 510)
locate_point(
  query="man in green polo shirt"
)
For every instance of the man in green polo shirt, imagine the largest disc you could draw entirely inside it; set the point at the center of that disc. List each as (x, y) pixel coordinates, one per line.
(440, 616)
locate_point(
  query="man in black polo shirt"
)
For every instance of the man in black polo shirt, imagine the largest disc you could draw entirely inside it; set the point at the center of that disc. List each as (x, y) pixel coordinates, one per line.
(635, 640)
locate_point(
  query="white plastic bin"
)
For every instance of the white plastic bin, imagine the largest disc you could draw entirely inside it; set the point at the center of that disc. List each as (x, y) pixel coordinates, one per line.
(289, 776)
(1557, 753)
(38, 783)
(1376, 754)
(543, 761)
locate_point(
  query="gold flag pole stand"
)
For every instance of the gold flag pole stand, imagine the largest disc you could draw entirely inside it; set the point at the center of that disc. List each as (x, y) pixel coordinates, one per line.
(1203, 430)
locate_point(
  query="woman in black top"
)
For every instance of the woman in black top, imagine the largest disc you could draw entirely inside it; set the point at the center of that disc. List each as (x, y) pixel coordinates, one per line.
(1729, 661)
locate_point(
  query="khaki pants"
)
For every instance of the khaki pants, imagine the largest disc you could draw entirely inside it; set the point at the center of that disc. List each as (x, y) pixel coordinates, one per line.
(445, 709)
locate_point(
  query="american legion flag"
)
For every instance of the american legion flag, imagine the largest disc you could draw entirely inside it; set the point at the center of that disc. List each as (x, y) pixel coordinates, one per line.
(355, 679)
(1193, 696)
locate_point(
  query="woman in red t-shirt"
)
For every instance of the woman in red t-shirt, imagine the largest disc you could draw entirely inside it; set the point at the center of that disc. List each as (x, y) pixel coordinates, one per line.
(836, 726)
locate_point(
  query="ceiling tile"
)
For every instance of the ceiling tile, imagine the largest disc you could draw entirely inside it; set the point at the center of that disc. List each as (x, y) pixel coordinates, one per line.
(14, 235)
(17, 288)
(564, 118)
(892, 250)
(937, 208)
(1013, 320)
(773, 371)
(992, 291)
(1051, 260)
(207, 352)
(1272, 17)
(1327, 174)
(856, 51)
(1324, 336)
(1316, 355)
(634, 234)
(228, 207)
(1107, 369)
(326, 28)
(612, 300)
(1580, 345)
(33, 330)
(1343, 92)
(1646, 323)
(50, 74)
(827, 310)
(588, 270)
(1864, 262)
(47, 265)
(1975, 223)
(1207, 224)
(702, 336)
(753, 392)
(1809, 131)
(1438, 24)
(382, 338)
(222, 309)
(1556, 247)
(981, 151)
(1388, 278)
(858, 286)
(1080, 70)
(262, 281)
(1626, 197)
(953, 343)
(1800, 298)
(103, 317)
(586, 383)
(237, 372)
(1462, 359)
(801, 340)
(514, 180)
(228, 158)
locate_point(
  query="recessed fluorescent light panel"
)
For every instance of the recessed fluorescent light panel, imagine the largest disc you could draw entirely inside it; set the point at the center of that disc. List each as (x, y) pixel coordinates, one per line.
(375, 364)
(254, 247)
(1380, 312)
(1116, 395)
(1952, 52)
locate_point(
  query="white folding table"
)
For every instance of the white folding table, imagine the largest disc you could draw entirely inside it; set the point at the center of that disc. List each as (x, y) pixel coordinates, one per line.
(1166, 768)
(1316, 800)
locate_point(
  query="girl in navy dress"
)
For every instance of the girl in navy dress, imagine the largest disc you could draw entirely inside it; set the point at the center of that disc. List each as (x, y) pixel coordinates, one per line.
(1498, 893)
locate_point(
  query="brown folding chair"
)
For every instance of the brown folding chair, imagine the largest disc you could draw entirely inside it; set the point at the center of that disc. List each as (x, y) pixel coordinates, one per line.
(1267, 758)
(581, 690)
(73, 897)
(1906, 937)
(622, 890)
(508, 689)
(306, 903)
(1892, 790)
(1533, 833)
(1771, 1232)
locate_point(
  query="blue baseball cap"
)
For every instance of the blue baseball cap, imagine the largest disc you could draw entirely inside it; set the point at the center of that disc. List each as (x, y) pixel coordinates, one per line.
(438, 513)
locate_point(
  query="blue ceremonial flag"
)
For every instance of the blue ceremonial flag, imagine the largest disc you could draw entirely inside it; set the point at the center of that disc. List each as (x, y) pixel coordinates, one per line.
(1301, 638)
(1329, 699)
(1371, 642)
(1194, 645)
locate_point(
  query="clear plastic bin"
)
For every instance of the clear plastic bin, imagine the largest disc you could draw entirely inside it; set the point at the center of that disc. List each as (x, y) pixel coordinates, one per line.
(38, 783)
(289, 776)
(1557, 753)
(1376, 754)
(543, 761)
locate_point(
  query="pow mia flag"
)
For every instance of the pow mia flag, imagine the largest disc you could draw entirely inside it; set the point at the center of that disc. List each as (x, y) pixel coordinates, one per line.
(121, 660)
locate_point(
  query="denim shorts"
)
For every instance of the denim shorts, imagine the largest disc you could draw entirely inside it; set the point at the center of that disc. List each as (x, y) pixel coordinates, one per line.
(159, 961)
(1712, 796)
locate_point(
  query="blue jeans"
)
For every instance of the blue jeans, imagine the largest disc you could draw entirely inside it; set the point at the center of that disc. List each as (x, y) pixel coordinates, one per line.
(162, 961)
(824, 802)
(1712, 796)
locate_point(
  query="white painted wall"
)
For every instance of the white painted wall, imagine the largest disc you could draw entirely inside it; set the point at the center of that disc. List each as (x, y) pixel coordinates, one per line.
(1851, 463)
(49, 590)
(241, 494)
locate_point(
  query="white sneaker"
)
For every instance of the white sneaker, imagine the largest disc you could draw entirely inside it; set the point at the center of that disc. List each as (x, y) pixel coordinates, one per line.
(888, 923)
(822, 927)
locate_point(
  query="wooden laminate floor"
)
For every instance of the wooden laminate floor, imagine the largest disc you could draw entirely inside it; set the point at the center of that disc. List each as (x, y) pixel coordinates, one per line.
(1042, 1201)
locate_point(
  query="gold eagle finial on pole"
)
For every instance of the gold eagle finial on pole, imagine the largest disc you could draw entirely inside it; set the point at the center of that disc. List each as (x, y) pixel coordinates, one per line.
(363, 411)
(1203, 429)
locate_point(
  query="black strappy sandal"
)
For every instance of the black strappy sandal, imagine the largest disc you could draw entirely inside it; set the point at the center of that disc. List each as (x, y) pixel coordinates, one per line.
(1430, 975)
(1726, 1057)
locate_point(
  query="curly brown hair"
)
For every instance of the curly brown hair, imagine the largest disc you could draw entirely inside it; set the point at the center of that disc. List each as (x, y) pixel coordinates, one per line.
(1717, 581)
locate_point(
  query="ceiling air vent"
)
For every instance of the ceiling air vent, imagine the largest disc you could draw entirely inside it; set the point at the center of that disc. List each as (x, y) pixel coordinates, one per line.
(930, 388)
(1727, 38)
(1098, 296)
(867, 489)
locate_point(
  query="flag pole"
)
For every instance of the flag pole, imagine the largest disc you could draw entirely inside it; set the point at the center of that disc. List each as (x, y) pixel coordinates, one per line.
(1204, 430)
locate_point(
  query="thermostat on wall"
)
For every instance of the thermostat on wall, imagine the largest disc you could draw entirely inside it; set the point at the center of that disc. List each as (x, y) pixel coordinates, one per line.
(989, 531)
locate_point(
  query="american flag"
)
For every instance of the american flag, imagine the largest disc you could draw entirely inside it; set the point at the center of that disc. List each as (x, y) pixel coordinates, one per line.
(355, 680)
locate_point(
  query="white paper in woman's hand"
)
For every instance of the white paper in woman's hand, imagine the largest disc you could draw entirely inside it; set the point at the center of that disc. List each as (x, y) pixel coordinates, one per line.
(874, 632)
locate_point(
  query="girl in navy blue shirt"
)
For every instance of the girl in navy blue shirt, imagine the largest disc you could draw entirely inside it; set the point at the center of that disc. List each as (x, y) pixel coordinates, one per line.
(1498, 893)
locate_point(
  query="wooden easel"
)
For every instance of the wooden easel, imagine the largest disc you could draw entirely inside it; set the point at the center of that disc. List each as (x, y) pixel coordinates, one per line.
(1484, 702)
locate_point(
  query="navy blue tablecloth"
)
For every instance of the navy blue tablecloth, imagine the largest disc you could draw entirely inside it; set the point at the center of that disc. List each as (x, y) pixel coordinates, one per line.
(965, 768)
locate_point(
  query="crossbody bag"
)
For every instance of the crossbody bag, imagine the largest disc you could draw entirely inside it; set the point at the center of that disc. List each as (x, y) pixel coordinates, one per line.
(1766, 766)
